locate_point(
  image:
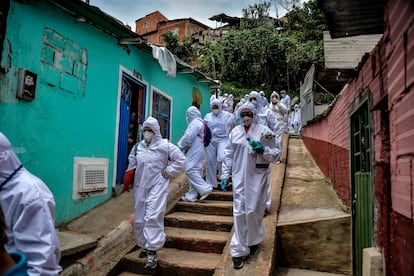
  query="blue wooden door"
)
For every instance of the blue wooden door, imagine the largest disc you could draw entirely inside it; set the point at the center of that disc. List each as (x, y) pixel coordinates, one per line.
(131, 116)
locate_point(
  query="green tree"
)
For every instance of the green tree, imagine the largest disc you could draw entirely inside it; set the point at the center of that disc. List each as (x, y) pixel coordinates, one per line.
(258, 57)
(255, 15)
(171, 42)
(304, 33)
(183, 50)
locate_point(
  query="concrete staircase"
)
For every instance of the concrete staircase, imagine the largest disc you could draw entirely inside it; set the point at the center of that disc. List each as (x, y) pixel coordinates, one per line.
(197, 233)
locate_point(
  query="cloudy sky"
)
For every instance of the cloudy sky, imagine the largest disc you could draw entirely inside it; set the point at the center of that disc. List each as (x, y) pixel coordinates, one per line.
(128, 11)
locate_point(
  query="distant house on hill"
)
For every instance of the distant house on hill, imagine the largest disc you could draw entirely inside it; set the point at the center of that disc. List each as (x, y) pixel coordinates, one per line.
(154, 25)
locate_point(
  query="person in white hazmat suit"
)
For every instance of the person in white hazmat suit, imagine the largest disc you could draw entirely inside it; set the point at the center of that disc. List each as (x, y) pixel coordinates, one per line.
(192, 144)
(29, 209)
(263, 98)
(266, 117)
(296, 120)
(250, 180)
(285, 99)
(280, 111)
(219, 121)
(156, 161)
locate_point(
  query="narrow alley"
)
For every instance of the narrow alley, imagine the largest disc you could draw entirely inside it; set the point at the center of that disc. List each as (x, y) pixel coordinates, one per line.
(205, 95)
(307, 230)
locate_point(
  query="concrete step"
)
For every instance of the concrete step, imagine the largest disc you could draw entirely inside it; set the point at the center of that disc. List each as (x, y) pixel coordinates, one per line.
(200, 240)
(223, 196)
(199, 221)
(207, 207)
(282, 271)
(125, 273)
(174, 262)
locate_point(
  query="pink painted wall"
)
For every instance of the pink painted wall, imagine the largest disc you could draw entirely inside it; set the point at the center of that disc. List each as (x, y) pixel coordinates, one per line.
(388, 75)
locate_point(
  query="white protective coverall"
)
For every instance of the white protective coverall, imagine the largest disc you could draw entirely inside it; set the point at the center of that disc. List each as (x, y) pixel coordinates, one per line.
(280, 110)
(285, 99)
(263, 98)
(249, 183)
(150, 187)
(192, 143)
(220, 127)
(296, 120)
(267, 117)
(29, 209)
(264, 115)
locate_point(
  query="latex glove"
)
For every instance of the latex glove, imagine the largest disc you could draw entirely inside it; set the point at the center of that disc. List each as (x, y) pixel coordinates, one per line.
(252, 143)
(259, 148)
(223, 184)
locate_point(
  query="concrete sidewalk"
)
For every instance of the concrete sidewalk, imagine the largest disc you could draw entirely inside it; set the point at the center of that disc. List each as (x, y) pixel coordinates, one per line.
(104, 227)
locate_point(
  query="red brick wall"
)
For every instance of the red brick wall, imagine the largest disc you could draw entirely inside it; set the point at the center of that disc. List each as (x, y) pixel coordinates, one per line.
(169, 26)
(152, 19)
(185, 28)
(388, 73)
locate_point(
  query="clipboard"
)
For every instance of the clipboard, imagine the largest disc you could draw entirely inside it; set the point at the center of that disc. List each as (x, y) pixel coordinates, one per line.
(267, 140)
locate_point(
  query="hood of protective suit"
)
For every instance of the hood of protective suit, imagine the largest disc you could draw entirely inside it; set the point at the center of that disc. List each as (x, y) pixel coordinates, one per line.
(192, 113)
(153, 124)
(255, 94)
(252, 108)
(9, 162)
(296, 107)
(274, 93)
(218, 103)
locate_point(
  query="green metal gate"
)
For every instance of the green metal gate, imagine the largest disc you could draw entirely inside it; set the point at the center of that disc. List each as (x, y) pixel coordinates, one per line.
(362, 202)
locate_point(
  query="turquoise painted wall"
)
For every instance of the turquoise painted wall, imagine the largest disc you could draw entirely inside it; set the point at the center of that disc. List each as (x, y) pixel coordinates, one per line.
(74, 118)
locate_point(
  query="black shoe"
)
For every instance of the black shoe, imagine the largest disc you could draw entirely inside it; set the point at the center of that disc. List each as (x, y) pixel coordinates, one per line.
(253, 249)
(143, 254)
(237, 262)
(152, 259)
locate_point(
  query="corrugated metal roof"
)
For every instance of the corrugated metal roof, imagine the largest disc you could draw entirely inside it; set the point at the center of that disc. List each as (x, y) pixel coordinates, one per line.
(347, 52)
(353, 17)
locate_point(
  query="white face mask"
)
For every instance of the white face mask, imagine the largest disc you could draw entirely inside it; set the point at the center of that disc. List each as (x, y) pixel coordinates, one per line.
(254, 102)
(274, 100)
(246, 120)
(215, 111)
(148, 135)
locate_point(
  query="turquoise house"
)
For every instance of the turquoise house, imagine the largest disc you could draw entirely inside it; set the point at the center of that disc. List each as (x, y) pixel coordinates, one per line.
(71, 77)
